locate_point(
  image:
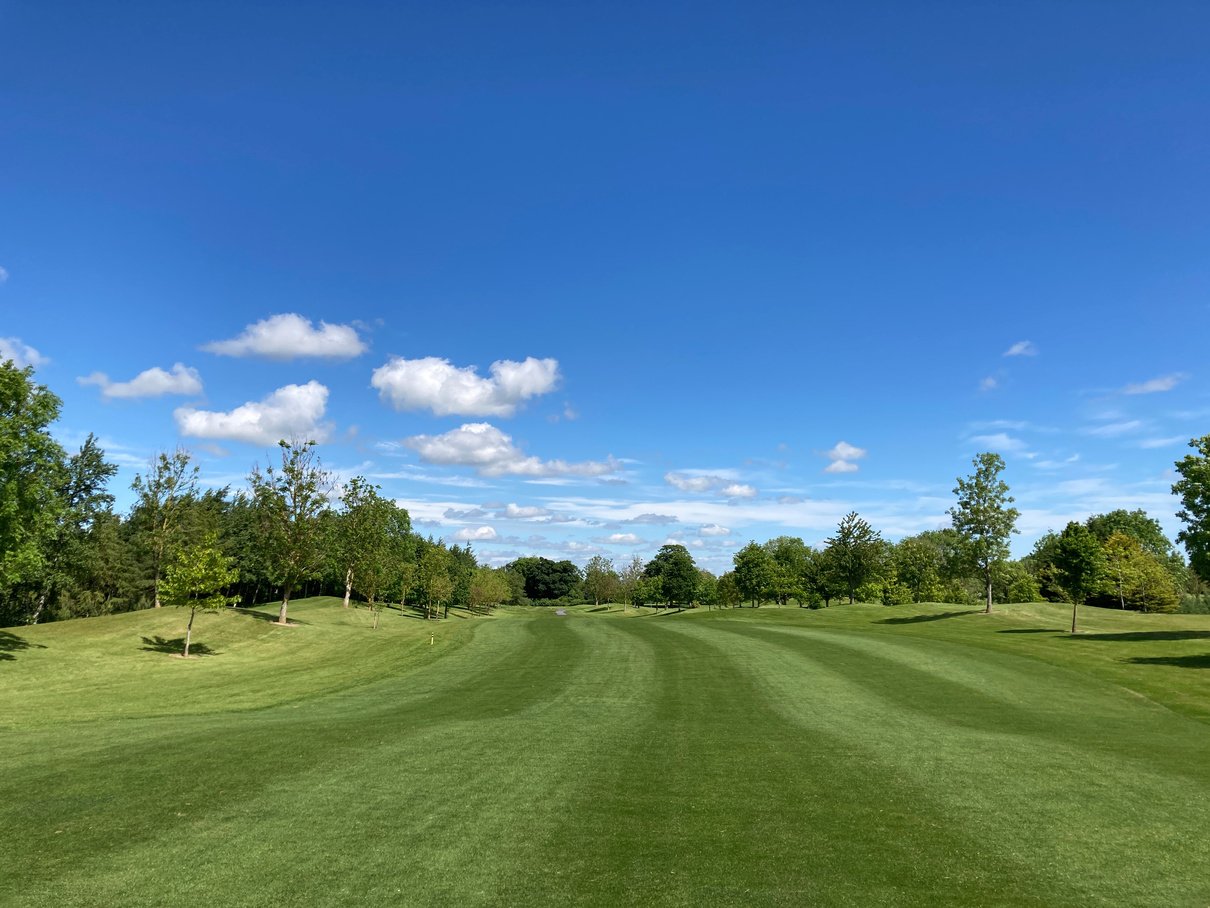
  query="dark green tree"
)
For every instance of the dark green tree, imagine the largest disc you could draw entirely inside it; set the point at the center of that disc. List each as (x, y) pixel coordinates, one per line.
(856, 552)
(546, 579)
(753, 572)
(1080, 563)
(1193, 489)
(674, 567)
(32, 476)
(983, 518)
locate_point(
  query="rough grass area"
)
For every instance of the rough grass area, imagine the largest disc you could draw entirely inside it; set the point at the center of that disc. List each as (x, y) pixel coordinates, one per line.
(856, 755)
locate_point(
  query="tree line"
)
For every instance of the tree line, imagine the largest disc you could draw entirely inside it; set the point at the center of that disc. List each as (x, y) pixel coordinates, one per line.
(65, 552)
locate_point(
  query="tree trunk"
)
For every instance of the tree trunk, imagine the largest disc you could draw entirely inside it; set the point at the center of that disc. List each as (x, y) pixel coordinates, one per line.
(348, 586)
(377, 612)
(189, 631)
(157, 585)
(285, 603)
(1074, 606)
(38, 611)
(988, 576)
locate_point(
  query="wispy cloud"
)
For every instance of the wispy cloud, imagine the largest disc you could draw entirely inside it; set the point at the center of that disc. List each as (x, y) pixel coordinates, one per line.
(1022, 348)
(1115, 429)
(153, 382)
(1156, 385)
(990, 383)
(21, 354)
(700, 482)
(1163, 442)
(1001, 442)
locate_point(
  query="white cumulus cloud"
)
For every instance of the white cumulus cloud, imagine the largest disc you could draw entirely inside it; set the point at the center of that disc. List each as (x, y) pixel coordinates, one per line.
(1022, 348)
(21, 354)
(475, 534)
(713, 529)
(1156, 385)
(289, 412)
(700, 482)
(492, 452)
(623, 539)
(842, 456)
(289, 336)
(153, 382)
(436, 384)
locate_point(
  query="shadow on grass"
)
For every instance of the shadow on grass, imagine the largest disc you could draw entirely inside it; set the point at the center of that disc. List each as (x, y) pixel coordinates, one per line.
(175, 646)
(11, 643)
(1147, 636)
(920, 619)
(271, 617)
(1030, 630)
(1202, 661)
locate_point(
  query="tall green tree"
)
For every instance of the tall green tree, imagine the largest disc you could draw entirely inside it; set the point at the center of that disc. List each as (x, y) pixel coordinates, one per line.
(1193, 489)
(856, 552)
(983, 517)
(358, 539)
(161, 497)
(289, 502)
(1081, 564)
(197, 578)
(31, 482)
(788, 556)
(752, 572)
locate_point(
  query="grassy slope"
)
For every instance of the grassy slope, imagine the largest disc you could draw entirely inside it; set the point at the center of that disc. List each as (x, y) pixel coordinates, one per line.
(858, 755)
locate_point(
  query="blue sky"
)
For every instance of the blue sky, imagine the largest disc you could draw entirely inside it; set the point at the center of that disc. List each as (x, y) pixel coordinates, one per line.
(568, 279)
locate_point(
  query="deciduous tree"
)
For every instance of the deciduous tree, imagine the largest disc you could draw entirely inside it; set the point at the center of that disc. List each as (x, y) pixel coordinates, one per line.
(1080, 563)
(1193, 489)
(197, 578)
(753, 572)
(160, 498)
(983, 518)
(289, 503)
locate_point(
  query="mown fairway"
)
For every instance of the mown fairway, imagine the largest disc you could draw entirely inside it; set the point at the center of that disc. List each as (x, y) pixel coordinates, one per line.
(853, 756)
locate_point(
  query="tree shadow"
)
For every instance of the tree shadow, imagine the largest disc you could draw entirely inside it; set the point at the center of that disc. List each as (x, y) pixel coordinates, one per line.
(920, 619)
(270, 617)
(11, 643)
(1201, 661)
(1030, 630)
(175, 646)
(1145, 636)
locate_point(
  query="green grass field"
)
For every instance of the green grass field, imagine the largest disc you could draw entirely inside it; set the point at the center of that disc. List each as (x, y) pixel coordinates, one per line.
(858, 755)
